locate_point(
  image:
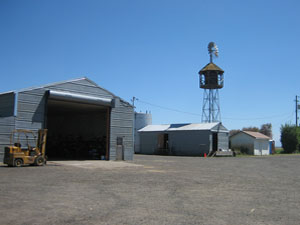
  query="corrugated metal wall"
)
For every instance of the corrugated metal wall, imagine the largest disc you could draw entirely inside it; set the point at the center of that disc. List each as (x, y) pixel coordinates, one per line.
(185, 143)
(31, 109)
(188, 143)
(7, 120)
(32, 105)
(148, 142)
(223, 141)
(122, 126)
(191, 143)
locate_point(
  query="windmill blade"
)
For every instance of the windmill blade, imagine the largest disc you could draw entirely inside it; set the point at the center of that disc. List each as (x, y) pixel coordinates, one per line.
(216, 50)
(210, 47)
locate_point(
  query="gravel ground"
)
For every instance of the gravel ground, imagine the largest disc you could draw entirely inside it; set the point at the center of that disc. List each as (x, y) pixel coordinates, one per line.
(154, 190)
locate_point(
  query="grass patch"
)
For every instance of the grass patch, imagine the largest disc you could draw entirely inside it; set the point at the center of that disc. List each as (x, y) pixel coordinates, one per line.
(279, 151)
(244, 155)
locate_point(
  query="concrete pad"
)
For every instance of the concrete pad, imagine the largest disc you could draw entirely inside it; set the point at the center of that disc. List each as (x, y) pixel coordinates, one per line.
(94, 164)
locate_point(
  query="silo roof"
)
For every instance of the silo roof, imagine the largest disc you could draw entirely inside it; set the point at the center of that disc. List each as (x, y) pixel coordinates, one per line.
(211, 66)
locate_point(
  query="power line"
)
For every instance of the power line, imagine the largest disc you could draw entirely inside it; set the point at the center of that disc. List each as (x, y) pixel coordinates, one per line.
(290, 118)
(197, 114)
(170, 109)
(259, 118)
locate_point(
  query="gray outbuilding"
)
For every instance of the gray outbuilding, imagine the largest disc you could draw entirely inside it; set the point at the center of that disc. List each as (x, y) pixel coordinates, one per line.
(84, 120)
(253, 143)
(183, 139)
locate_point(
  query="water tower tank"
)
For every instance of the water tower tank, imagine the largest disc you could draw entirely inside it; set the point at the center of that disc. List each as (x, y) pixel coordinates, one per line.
(211, 77)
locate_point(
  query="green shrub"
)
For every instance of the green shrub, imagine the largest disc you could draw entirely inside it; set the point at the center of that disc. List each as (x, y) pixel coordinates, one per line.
(290, 138)
(242, 150)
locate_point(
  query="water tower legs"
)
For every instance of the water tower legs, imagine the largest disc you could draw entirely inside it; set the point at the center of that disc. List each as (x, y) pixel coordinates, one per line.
(211, 106)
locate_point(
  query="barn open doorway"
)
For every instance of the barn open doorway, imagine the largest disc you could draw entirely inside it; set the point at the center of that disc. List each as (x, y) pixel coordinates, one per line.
(163, 144)
(214, 141)
(77, 130)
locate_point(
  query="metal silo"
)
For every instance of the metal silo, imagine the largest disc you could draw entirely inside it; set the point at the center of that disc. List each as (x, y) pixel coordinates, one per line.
(140, 121)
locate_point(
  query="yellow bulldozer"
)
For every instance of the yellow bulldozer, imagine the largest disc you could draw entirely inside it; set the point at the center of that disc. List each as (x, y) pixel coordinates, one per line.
(17, 155)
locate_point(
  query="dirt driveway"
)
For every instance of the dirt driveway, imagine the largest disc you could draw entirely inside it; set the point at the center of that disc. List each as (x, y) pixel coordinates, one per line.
(154, 190)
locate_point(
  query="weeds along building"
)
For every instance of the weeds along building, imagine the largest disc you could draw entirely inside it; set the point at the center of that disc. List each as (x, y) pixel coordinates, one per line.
(84, 121)
(193, 139)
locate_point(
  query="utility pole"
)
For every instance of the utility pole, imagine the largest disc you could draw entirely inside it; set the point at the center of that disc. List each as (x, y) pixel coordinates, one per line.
(133, 100)
(134, 130)
(296, 111)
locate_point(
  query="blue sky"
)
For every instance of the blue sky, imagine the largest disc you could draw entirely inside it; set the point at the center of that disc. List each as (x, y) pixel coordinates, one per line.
(154, 49)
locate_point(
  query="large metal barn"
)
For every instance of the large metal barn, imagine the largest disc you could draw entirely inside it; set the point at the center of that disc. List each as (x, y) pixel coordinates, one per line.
(84, 121)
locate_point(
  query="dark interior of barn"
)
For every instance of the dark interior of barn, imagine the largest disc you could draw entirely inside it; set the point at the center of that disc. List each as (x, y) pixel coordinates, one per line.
(76, 131)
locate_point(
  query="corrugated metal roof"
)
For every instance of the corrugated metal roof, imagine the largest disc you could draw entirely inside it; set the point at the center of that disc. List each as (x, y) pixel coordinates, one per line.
(50, 84)
(155, 128)
(175, 127)
(68, 81)
(8, 92)
(256, 135)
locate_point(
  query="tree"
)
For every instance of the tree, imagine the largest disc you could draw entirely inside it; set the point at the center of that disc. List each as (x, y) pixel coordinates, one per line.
(233, 132)
(289, 138)
(266, 129)
(254, 129)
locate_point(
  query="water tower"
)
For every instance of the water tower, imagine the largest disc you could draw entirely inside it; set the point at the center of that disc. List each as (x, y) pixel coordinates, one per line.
(211, 80)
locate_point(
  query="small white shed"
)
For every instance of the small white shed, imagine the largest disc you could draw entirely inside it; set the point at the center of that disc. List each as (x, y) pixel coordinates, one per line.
(255, 142)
